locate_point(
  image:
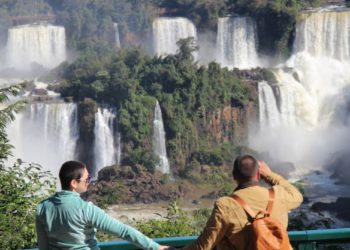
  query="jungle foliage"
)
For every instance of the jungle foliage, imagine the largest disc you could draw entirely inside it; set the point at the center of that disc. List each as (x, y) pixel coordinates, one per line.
(132, 81)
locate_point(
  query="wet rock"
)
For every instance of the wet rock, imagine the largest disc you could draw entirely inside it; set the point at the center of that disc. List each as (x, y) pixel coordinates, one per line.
(131, 185)
(340, 207)
(340, 167)
(196, 202)
(39, 92)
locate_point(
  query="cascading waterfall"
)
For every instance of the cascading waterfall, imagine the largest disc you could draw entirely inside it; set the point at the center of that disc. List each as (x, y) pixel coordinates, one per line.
(237, 42)
(324, 34)
(311, 95)
(45, 134)
(104, 148)
(167, 31)
(159, 147)
(117, 39)
(41, 44)
(269, 116)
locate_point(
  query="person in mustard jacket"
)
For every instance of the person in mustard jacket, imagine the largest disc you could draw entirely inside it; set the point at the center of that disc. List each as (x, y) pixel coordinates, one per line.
(65, 221)
(225, 227)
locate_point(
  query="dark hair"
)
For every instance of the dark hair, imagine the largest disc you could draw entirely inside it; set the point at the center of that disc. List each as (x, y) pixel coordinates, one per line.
(245, 167)
(70, 170)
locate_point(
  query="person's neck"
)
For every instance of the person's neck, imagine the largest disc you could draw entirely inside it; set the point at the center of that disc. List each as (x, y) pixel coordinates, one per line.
(246, 184)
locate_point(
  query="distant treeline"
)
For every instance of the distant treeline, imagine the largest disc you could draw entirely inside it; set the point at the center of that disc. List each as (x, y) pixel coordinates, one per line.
(89, 23)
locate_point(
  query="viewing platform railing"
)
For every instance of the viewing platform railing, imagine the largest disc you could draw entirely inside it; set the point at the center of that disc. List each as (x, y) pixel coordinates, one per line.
(329, 239)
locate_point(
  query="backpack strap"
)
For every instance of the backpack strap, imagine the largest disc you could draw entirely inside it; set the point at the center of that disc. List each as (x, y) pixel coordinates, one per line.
(271, 199)
(244, 205)
(249, 211)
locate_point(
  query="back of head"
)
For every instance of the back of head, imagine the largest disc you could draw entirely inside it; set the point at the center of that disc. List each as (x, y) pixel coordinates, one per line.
(245, 167)
(70, 170)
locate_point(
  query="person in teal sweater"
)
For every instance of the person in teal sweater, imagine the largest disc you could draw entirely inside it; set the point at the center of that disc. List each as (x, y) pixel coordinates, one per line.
(65, 221)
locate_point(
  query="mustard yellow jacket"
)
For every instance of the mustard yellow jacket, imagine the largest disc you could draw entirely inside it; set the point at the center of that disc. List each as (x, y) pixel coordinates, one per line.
(227, 221)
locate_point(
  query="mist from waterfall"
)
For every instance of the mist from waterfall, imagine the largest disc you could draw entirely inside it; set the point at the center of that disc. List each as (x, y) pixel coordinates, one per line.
(159, 147)
(311, 95)
(237, 42)
(105, 151)
(168, 31)
(41, 44)
(46, 134)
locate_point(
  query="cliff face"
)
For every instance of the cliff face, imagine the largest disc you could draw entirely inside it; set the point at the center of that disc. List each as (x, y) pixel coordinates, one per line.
(86, 121)
(229, 124)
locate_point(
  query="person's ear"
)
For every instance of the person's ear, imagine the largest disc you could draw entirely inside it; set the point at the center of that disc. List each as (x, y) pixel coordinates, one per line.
(73, 184)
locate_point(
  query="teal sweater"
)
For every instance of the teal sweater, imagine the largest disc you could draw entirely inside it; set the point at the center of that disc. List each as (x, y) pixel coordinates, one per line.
(65, 221)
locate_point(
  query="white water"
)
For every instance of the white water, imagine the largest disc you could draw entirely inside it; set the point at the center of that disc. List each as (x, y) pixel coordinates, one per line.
(41, 44)
(168, 31)
(104, 150)
(117, 39)
(324, 34)
(45, 134)
(237, 42)
(159, 147)
(269, 116)
(312, 121)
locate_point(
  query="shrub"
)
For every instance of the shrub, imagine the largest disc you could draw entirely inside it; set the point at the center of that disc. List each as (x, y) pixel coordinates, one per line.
(22, 187)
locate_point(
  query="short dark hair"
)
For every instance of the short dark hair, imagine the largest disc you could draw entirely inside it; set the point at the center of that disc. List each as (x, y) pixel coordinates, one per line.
(70, 170)
(245, 167)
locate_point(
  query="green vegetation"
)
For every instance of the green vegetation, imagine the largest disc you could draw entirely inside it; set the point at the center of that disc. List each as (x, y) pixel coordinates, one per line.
(132, 81)
(275, 18)
(7, 114)
(176, 223)
(89, 23)
(22, 185)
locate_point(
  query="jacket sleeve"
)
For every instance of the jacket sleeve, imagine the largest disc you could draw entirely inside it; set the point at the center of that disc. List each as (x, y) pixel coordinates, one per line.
(99, 219)
(40, 231)
(292, 196)
(213, 232)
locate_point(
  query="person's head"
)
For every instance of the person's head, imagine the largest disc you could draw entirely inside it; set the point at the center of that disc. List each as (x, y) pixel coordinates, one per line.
(74, 176)
(245, 168)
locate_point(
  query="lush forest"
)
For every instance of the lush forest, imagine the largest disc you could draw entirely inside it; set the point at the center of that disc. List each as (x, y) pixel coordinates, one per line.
(133, 81)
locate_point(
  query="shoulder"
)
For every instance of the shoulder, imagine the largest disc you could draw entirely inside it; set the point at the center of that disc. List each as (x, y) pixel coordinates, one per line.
(41, 206)
(226, 202)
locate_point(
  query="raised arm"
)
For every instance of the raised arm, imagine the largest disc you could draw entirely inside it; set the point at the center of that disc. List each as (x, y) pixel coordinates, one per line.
(292, 195)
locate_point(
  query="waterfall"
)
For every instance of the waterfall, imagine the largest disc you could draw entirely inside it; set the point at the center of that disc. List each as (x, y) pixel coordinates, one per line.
(41, 44)
(237, 42)
(324, 33)
(159, 147)
(117, 39)
(269, 115)
(45, 134)
(167, 31)
(311, 94)
(104, 149)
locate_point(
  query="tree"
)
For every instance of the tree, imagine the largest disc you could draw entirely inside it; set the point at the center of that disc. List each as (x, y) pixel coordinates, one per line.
(22, 186)
(7, 114)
